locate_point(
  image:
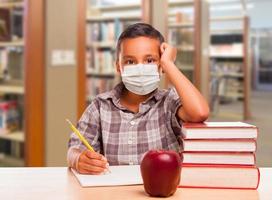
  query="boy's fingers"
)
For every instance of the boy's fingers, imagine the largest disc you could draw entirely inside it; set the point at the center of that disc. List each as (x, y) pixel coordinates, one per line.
(94, 162)
(99, 163)
(93, 155)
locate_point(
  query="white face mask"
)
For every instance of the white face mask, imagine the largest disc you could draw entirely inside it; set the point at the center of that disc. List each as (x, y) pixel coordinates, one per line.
(141, 79)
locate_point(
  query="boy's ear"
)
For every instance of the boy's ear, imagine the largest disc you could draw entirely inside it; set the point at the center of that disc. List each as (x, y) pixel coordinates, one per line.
(117, 66)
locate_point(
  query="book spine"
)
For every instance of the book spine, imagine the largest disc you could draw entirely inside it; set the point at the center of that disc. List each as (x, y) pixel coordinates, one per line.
(223, 187)
(251, 154)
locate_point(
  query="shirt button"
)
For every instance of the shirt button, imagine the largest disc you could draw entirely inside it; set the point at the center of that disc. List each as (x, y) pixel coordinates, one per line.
(130, 163)
(129, 141)
(132, 123)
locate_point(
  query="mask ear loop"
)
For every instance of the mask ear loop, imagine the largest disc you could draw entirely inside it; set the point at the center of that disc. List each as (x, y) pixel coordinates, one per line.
(121, 69)
(160, 69)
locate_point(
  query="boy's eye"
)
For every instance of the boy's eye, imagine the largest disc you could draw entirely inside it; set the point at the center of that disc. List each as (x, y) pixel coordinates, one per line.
(129, 62)
(150, 60)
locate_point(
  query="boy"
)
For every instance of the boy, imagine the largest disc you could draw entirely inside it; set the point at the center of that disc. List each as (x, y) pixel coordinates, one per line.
(122, 124)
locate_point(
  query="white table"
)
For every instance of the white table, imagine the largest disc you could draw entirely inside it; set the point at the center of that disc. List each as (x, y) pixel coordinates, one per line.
(59, 183)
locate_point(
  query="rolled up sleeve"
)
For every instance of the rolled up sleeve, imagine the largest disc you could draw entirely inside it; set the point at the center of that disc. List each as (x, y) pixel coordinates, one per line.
(173, 103)
(89, 127)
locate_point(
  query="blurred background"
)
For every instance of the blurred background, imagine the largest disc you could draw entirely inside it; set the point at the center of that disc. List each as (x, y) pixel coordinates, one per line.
(56, 56)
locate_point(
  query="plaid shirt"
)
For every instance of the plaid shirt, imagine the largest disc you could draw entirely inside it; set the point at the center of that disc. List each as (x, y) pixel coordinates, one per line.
(123, 136)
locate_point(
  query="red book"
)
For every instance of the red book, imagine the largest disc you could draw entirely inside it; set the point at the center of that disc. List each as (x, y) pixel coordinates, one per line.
(231, 158)
(220, 145)
(219, 130)
(219, 176)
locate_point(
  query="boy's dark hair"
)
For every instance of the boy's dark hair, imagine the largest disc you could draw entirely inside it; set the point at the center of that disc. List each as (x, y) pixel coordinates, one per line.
(138, 30)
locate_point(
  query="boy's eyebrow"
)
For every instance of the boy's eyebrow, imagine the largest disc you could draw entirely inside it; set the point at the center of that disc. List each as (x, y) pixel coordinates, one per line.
(127, 56)
(152, 55)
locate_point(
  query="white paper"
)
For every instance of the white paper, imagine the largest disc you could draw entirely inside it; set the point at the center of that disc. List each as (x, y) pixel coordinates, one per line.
(120, 175)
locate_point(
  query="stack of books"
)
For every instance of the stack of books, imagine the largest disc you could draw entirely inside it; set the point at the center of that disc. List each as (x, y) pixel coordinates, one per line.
(219, 155)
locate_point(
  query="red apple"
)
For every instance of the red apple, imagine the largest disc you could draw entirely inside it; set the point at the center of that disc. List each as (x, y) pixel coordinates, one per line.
(160, 171)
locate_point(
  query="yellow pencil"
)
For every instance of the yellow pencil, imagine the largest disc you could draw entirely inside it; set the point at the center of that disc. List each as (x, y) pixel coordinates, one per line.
(81, 137)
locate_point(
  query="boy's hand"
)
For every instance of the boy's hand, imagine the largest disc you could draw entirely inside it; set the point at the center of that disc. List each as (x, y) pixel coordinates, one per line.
(168, 54)
(92, 163)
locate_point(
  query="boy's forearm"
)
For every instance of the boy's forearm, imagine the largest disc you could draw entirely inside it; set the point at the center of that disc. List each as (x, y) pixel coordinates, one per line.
(194, 104)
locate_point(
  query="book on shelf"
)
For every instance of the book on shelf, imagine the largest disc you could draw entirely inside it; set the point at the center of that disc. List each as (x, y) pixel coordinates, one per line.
(3, 63)
(101, 37)
(183, 40)
(11, 64)
(105, 31)
(100, 32)
(9, 116)
(219, 130)
(221, 158)
(99, 62)
(219, 145)
(228, 38)
(17, 23)
(229, 77)
(95, 86)
(15, 67)
(5, 25)
(227, 50)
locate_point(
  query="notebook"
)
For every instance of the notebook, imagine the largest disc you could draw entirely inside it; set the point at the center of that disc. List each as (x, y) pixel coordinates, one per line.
(120, 175)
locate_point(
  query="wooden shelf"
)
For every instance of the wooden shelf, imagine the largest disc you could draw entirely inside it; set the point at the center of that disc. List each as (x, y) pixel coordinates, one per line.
(233, 95)
(228, 74)
(181, 25)
(117, 7)
(11, 161)
(185, 47)
(228, 18)
(101, 44)
(265, 70)
(12, 89)
(18, 4)
(226, 56)
(184, 3)
(17, 136)
(183, 67)
(19, 43)
(91, 19)
(226, 31)
(100, 75)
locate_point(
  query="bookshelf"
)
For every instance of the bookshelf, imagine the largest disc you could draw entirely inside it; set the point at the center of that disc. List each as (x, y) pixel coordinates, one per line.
(19, 43)
(22, 45)
(12, 89)
(12, 135)
(103, 25)
(230, 67)
(261, 48)
(12, 4)
(188, 31)
(17, 136)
